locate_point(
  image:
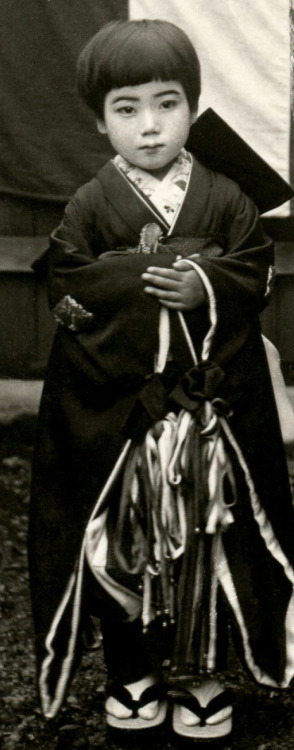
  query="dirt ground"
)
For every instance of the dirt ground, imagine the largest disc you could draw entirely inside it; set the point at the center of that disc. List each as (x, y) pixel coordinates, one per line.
(262, 719)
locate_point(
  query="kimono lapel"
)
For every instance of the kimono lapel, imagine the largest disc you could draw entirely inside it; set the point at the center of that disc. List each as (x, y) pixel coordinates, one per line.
(165, 195)
(190, 216)
(134, 211)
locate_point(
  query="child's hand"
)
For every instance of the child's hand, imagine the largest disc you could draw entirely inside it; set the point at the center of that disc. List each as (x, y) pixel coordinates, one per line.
(179, 287)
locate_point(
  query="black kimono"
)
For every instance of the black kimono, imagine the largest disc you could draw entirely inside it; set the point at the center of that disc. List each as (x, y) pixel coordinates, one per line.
(101, 399)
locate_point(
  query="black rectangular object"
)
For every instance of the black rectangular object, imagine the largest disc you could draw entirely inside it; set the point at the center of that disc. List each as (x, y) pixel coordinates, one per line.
(220, 148)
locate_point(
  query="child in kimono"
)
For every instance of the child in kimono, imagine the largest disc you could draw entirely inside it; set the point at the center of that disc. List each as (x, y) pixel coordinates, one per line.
(160, 495)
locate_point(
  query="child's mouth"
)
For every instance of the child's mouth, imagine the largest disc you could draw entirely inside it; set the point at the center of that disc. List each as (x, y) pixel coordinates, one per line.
(151, 148)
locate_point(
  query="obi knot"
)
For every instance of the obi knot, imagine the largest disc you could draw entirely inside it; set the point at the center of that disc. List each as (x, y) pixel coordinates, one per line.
(152, 402)
(199, 384)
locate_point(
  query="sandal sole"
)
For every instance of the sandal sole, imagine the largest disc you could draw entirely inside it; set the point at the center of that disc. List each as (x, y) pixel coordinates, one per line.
(206, 732)
(138, 723)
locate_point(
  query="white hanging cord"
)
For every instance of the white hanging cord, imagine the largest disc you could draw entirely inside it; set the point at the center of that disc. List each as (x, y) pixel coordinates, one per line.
(188, 338)
(164, 339)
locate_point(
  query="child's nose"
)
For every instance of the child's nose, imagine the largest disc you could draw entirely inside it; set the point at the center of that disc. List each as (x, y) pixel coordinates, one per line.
(149, 122)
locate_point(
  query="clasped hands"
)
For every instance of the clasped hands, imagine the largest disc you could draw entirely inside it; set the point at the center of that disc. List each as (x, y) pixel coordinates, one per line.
(178, 288)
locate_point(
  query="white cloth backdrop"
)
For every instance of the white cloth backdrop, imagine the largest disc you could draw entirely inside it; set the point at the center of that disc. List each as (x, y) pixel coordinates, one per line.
(244, 49)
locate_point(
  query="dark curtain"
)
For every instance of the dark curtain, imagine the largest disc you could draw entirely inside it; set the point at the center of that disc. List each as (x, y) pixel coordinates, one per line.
(49, 144)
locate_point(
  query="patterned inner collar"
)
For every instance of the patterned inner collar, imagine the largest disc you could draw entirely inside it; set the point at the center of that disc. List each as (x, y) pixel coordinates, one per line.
(167, 195)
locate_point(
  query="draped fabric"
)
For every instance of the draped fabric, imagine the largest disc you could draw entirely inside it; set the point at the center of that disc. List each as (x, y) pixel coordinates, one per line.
(49, 144)
(244, 51)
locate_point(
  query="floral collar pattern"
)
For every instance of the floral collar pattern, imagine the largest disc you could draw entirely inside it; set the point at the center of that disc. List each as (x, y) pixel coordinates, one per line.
(167, 195)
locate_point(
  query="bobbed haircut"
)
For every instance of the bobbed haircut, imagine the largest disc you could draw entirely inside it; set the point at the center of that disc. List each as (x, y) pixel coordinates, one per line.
(128, 53)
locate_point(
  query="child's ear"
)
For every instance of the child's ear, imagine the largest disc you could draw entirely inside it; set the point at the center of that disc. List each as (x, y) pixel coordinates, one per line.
(101, 127)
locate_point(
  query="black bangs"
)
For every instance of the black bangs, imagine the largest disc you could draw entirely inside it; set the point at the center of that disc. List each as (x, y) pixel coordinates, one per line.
(141, 59)
(129, 53)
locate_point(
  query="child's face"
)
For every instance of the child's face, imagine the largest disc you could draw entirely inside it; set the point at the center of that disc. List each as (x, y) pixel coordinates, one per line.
(148, 124)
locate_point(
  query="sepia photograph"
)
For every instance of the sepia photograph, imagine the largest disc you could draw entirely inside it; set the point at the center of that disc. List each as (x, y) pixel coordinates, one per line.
(147, 403)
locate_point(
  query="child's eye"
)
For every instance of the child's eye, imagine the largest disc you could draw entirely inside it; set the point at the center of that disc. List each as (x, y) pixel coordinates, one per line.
(126, 110)
(169, 103)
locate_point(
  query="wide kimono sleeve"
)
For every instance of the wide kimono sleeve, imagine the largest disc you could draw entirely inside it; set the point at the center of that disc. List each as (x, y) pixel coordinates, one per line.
(237, 280)
(101, 301)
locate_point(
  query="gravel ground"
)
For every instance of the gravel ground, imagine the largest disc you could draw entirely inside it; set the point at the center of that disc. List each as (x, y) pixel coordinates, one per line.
(263, 719)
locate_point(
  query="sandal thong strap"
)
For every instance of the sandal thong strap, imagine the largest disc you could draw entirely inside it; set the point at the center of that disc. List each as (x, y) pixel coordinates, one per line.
(188, 700)
(123, 695)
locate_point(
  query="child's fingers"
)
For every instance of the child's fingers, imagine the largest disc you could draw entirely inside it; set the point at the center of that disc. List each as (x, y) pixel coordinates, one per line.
(174, 289)
(166, 288)
(163, 281)
(173, 305)
(181, 265)
(167, 284)
(165, 294)
(161, 275)
(162, 271)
